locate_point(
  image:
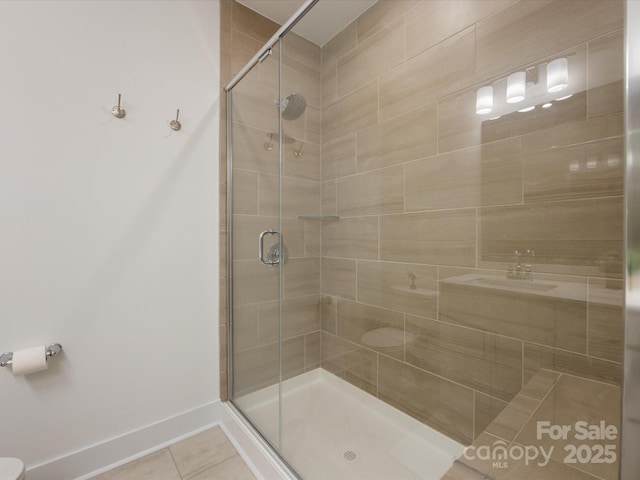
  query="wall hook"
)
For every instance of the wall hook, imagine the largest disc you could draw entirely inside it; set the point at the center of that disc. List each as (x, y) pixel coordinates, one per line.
(298, 153)
(117, 111)
(175, 124)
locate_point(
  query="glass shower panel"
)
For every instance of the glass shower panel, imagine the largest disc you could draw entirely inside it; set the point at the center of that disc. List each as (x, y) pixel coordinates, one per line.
(472, 155)
(449, 198)
(256, 272)
(301, 222)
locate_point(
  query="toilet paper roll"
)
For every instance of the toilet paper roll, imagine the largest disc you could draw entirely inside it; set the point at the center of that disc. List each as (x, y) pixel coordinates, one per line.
(29, 360)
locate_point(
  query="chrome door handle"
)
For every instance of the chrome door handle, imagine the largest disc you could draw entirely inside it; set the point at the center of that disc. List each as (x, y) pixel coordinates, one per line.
(270, 263)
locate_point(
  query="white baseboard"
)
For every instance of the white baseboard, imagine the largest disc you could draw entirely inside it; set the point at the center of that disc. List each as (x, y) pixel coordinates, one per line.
(91, 461)
(104, 456)
(254, 450)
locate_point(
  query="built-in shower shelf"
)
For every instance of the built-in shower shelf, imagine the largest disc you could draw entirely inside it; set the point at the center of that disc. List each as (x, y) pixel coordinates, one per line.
(320, 218)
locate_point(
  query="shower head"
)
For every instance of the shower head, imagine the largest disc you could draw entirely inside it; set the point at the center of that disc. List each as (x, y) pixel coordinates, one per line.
(292, 107)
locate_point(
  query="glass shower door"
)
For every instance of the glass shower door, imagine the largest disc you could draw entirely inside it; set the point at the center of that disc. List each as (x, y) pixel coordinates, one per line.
(256, 269)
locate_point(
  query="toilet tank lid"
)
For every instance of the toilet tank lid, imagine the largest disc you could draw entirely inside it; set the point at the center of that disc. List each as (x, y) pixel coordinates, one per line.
(10, 468)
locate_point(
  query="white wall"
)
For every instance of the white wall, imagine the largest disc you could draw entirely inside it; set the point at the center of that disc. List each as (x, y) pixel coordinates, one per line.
(108, 228)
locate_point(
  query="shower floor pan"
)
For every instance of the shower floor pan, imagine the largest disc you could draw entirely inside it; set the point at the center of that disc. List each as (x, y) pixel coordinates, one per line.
(332, 430)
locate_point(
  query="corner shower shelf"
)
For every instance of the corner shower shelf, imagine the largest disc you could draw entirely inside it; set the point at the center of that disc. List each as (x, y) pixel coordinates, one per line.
(320, 218)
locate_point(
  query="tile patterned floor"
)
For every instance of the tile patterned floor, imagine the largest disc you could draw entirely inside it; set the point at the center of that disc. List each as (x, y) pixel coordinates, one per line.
(206, 456)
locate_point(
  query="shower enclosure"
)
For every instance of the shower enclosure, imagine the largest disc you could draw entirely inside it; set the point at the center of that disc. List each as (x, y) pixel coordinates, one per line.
(426, 240)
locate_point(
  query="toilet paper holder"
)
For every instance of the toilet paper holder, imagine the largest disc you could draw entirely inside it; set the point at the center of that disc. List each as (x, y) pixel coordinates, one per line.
(52, 350)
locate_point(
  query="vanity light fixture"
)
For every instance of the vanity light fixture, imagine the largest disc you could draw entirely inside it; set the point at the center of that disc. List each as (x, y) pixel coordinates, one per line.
(557, 75)
(484, 100)
(527, 84)
(564, 98)
(516, 84)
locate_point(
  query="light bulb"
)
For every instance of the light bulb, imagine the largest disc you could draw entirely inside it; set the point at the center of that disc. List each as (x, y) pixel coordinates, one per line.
(484, 100)
(516, 87)
(557, 75)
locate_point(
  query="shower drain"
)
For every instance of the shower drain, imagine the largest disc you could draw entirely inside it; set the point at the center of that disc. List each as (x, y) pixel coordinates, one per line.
(350, 455)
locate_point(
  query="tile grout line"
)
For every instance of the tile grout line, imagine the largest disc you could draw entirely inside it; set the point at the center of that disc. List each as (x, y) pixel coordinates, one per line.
(522, 360)
(174, 462)
(586, 333)
(473, 417)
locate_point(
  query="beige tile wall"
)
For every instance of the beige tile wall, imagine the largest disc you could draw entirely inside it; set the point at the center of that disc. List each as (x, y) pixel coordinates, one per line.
(257, 350)
(434, 200)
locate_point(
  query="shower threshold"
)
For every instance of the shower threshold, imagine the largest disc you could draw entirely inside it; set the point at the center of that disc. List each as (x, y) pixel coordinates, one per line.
(332, 430)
